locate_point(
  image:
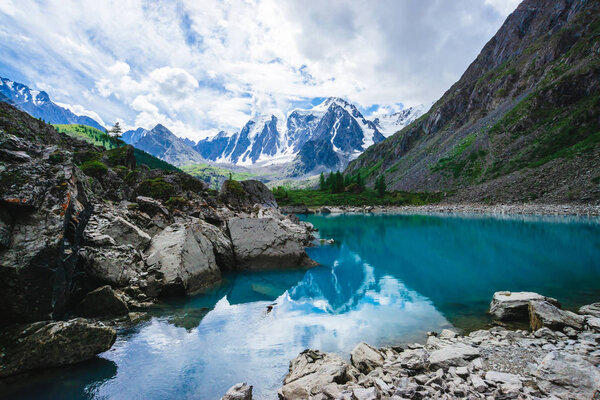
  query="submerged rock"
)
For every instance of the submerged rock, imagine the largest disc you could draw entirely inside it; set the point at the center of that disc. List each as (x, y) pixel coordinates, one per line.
(51, 344)
(241, 391)
(514, 306)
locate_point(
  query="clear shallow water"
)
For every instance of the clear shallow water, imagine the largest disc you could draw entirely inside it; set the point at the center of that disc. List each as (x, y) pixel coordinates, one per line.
(387, 279)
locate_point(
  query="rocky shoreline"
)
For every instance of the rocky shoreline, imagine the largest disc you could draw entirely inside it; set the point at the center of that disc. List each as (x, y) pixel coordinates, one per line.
(87, 232)
(588, 210)
(558, 359)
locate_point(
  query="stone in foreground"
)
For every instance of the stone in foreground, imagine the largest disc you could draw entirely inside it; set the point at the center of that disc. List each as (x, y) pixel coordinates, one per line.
(241, 391)
(52, 344)
(513, 306)
(311, 372)
(567, 376)
(366, 358)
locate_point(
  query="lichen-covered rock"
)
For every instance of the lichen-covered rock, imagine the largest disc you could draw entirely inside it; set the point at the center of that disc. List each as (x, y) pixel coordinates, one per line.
(184, 259)
(266, 243)
(240, 391)
(514, 306)
(313, 370)
(51, 344)
(102, 302)
(366, 358)
(542, 313)
(44, 207)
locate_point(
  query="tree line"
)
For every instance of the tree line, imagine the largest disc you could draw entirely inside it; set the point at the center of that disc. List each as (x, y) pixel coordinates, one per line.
(339, 183)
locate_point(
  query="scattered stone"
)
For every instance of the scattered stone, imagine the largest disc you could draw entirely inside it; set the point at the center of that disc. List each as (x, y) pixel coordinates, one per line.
(478, 383)
(241, 391)
(453, 355)
(501, 377)
(366, 358)
(447, 334)
(151, 206)
(591, 309)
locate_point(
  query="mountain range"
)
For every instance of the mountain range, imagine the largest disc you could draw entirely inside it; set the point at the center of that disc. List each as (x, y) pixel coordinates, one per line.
(38, 104)
(521, 124)
(323, 138)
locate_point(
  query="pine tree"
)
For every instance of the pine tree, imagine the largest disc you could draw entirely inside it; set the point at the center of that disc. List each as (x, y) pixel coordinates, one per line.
(338, 186)
(322, 182)
(380, 186)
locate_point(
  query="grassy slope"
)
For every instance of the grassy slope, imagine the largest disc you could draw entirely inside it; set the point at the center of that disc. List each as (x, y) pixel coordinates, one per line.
(99, 138)
(215, 176)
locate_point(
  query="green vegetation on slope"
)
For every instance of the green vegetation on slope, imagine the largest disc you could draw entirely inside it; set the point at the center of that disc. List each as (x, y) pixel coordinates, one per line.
(99, 138)
(317, 198)
(215, 176)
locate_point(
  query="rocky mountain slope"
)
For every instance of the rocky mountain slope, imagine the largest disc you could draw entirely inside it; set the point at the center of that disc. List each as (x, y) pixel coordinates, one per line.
(86, 231)
(39, 105)
(521, 124)
(162, 143)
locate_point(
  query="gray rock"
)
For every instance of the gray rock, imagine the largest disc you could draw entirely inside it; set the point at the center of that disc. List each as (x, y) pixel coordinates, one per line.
(366, 358)
(151, 206)
(102, 302)
(501, 377)
(115, 265)
(453, 355)
(51, 344)
(567, 376)
(447, 334)
(591, 309)
(125, 233)
(268, 243)
(542, 313)
(478, 383)
(365, 393)
(312, 371)
(325, 210)
(241, 391)
(222, 246)
(413, 359)
(247, 194)
(513, 306)
(184, 258)
(594, 323)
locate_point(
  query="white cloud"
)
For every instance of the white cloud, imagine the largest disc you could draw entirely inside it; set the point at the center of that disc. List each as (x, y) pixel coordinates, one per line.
(199, 67)
(78, 109)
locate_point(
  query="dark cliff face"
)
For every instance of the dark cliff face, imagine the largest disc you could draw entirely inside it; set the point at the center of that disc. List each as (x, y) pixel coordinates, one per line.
(522, 122)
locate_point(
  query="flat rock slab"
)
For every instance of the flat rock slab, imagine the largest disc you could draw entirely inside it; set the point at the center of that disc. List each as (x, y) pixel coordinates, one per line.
(514, 306)
(457, 355)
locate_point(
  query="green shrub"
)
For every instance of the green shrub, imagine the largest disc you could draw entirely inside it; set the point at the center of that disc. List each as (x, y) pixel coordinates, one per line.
(94, 168)
(178, 203)
(81, 157)
(156, 188)
(235, 188)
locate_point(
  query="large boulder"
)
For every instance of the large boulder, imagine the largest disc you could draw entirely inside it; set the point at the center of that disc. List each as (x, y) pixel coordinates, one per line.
(542, 313)
(366, 358)
(240, 391)
(102, 302)
(514, 306)
(267, 243)
(120, 230)
(312, 371)
(113, 265)
(51, 344)
(184, 257)
(246, 194)
(567, 376)
(222, 246)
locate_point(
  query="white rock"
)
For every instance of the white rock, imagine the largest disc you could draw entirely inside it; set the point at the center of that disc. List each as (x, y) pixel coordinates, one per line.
(502, 377)
(453, 355)
(366, 358)
(478, 383)
(447, 334)
(513, 306)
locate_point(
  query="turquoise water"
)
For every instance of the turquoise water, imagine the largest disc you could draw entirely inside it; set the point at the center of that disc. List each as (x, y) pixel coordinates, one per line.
(386, 279)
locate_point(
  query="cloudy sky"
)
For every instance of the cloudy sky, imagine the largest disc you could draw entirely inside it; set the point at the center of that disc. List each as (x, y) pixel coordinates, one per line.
(202, 66)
